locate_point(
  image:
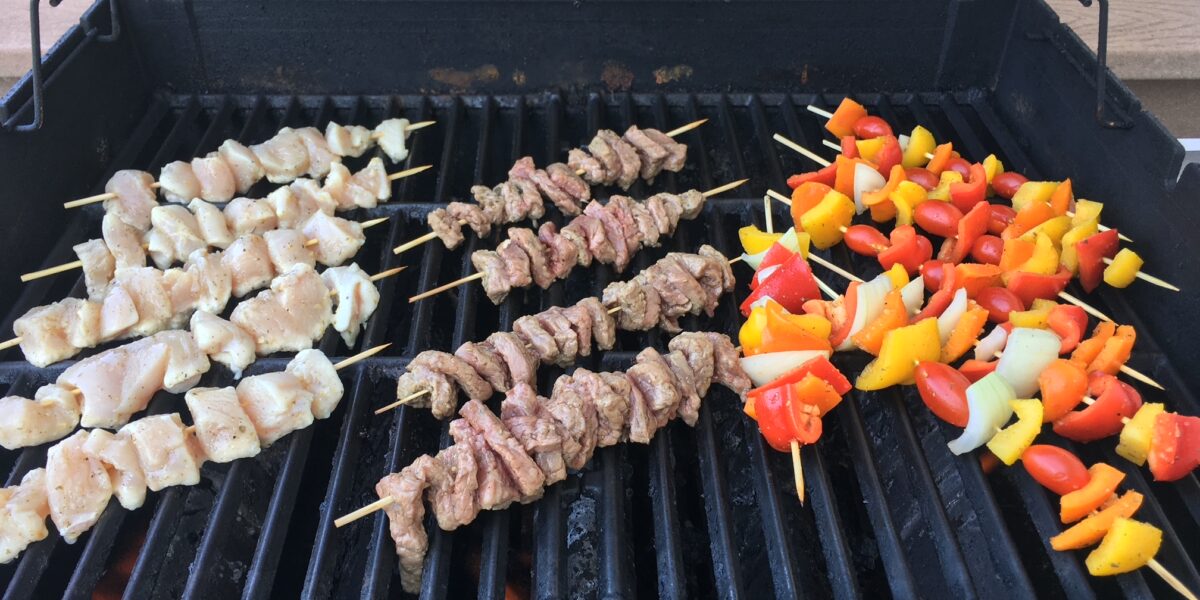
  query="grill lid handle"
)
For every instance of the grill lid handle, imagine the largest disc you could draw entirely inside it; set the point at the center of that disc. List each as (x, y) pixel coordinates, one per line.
(1102, 70)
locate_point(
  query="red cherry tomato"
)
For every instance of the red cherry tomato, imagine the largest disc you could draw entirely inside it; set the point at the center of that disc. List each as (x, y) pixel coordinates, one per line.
(871, 127)
(1007, 183)
(944, 390)
(1002, 216)
(999, 302)
(922, 177)
(866, 240)
(987, 249)
(939, 218)
(1056, 469)
(959, 165)
(932, 274)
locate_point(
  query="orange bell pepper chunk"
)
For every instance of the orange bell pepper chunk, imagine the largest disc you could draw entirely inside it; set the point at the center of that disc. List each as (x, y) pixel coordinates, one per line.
(806, 196)
(966, 331)
(870, 337)
(1103, 484)
(844, 179)
(1016, 252)
(941, 157)
(882, 208)
(975, 277)
(847, 114)
(1092, 529)
(1029, 217)
(1063, 385)
(1062, 198)
(815, 391)
(1115, 352)
(1089, 349)
(784, 332)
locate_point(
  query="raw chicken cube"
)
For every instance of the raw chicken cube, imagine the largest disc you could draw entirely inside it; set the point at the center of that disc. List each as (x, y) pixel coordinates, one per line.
(318, 376)
(341, 187)
(135, 198)
(223, 341)
(277, 404)
(374, 179)
(117, 383)
(242, 163)
(286, 248)
(124, 242)
(337, 239)
(150, 297)
(290, 316)
(178, 182)
(223, 429)
(319, 155)
(51, 415)
(350, 140)
(391, 136)
(23, 510)
(211, 223)
(214, 281)
(283, 157)
(175, 235)
(250, 215)
(98, 267)
(185, 362)
(165, 450)
(356, 299)
(117, 314)
(57, 331)
(119, 456)
(217, 183)
(78, 487)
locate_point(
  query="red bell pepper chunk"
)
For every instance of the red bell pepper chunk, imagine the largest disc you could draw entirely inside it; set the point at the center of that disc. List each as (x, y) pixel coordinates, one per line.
(1031, 286)
(841, 329)
(1092, 252)
(771, 411)
(849, 148)
(1174, 446)
(935, 306)
(792, 412)
(932, 273)
(1114, 400)
(776, 255)
(819, 366)
(971, 227)
(974, 369)
(908, 249)
(790, 285)
(826, 176)
(972, 191)
(888, 156)
(1068, 322)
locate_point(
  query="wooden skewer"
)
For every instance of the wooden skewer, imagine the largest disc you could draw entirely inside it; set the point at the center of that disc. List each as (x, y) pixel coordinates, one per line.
(686, 128)
(1171, 580)
(798, 471)
(809, 154)
(820, 111)
(380, 504)
(411, 127)
(767, 214)
(375, 277)
(829, 144)
(408, 172)
(1149, 278)
(361, 356)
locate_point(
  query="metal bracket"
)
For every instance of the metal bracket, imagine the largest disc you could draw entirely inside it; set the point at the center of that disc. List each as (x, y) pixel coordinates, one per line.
(1102, 69)
(35, 44)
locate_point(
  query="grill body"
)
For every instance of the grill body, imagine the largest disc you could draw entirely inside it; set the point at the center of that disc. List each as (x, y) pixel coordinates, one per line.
(703, 512)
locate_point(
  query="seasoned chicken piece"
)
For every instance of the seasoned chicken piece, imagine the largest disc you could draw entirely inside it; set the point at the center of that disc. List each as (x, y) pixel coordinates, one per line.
(57, 331)
(391, 136)
(183, 289)
(117, 314)
(250, 215)
(77, 485)
(211, 223)
(341, 187)
(337, 239)
(165, 451)
(23, 511)
(185, 362)
(217, 183)
(117, 383)
(242, 163)
(135, 198)
(120, 458)
(286, 249)
(249, 264)
(288, 317)
(175, 235)
(150, 298)
(311, 199)
(213, 280)
(374, 179)
(351, 140)
(318, 376)
(98, 266)
(283, 157)
(223, 341)
(178, 182)
(51, 415)
(356, 299)
(319, 156)
(124, 242)
(277, 404)
(223, 429)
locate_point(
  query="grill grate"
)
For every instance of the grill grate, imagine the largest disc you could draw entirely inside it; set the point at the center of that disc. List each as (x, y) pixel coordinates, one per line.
(704, 512)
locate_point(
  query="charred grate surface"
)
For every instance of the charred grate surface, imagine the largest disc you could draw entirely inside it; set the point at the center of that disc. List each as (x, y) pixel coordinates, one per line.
(703, 512)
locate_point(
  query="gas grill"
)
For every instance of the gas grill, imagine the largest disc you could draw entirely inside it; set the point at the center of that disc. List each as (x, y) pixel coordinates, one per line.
(703, 512)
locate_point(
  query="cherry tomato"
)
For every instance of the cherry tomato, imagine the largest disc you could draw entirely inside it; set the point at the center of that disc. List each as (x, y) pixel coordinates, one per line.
(939, 218)
(1007, 183)
(959, 165)
(987, 249)
(944, 390)
(1001, 217)
(866, 240)
(871, 127)
(1056, 469)
(999, 302)
(922, 177)
(932, 274)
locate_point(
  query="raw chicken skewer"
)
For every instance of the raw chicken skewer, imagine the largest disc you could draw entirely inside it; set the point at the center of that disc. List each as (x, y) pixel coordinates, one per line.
(679, 284)
(106, 389)
(235, 168)
(496, 460)
(609, 159)
(609, 234)
(85, 471)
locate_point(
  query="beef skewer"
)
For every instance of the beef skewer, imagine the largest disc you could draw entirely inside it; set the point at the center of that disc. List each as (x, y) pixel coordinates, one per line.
(85, 471)
(106, 389)
(612, 159)
(512, 457)
(609, 234)
(679, 284)
(234, 168)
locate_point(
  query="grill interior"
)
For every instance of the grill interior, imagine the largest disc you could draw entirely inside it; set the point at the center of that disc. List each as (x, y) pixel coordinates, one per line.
(703, 512)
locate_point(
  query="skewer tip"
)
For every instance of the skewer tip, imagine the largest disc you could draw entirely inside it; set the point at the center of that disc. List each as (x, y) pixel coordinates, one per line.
(361, 356)
(686, 128)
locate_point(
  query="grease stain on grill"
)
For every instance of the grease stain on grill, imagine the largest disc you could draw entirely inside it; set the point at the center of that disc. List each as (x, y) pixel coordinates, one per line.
(665, 74)
(616, 76)
(461, 81)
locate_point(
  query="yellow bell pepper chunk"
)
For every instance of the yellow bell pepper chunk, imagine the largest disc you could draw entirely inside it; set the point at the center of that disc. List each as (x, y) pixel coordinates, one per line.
(1127, 546)
(942, 191)
(902, 349)
(755, 240)
(1056, 228)
(1086, 210)
(1124, 268)
(1078, 233)
(1045, 258)
(1033, 318)
(825, 221)
(1033, 191)
(992, 167)
(867, 149)
(920, 143)
(1010, 443)
(803, 241)
(906, 197)
(750, 336)
(1136, 434)
(899, 276)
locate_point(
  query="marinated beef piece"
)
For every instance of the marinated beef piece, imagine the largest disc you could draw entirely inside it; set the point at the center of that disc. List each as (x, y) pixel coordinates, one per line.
(556, 323)
(672, 207)
(495, 278)
(676, 152)
(727, 370)
(406, 516)
(651, 153)
(727, 278)
(603, 325)
(565, 178)
(445, 227)
(614, 233)
(563, 200)
(440, 397)
(520, 360)
(531, 199)
(657, 382)
(475, 386)
(592, 232)
(525, 474)
(485, 361)
(453, 480)
(681, 293)
(621, 207)
(516, 264)
(581, 323)
(631, 164)
(603, 152)
(708, 272)
(697, 349)
(478, 220)
(647, 227)
(534, 334)
(539, 267)
(689, 406)
(611, 403)
(582, 256)
(691, 202)
(576, 420)
(593, 171)
(641, 306)
(641, 423)
(494, 489)
(657, 210)
(538, 435)
(561, 252)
